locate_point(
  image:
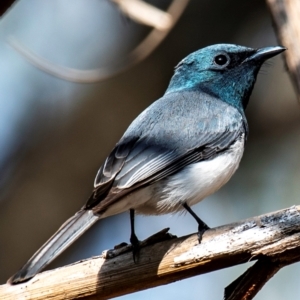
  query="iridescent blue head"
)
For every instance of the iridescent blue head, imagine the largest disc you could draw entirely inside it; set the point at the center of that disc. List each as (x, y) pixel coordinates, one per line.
(225, 71)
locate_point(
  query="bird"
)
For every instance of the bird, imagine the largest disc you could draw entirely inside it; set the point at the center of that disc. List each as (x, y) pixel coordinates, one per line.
(182, 148)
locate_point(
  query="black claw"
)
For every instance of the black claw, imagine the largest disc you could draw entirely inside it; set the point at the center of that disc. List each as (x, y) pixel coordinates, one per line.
(202, 227)
(201, 230)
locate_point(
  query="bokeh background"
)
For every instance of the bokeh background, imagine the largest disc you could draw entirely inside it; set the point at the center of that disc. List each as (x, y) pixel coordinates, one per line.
(55, 134)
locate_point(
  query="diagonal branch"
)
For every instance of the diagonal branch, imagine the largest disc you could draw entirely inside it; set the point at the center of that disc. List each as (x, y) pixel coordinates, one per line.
(5, 5)
(273, 237)
(249, 284)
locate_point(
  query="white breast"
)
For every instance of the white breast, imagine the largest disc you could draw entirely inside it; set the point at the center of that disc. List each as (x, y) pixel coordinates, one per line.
(193, 183)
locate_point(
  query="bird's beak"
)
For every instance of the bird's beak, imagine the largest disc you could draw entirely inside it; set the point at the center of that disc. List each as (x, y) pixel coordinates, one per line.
(263, 54)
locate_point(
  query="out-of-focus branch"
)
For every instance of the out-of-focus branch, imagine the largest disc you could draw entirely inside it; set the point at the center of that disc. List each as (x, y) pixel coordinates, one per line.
(286, 17)
(251, 282)
(146, 14)
(5, 5)
(273, 239)
(162, 21)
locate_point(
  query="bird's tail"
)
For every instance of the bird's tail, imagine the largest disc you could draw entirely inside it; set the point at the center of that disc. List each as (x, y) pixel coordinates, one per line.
(66, 234)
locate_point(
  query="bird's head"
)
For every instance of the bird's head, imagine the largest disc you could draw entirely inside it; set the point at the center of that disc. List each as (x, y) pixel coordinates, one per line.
(225, 71)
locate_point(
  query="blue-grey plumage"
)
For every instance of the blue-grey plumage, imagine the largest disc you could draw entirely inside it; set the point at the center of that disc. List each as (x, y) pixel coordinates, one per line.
(182, 148)
(205, 127)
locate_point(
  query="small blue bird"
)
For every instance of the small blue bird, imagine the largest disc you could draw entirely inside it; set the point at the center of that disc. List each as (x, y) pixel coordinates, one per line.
(182, 148)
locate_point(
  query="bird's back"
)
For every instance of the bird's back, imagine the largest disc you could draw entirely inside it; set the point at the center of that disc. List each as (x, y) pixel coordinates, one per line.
(179, 129)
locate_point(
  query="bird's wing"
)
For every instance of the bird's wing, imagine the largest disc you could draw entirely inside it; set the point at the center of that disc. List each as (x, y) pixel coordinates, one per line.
(150, 163)
(140, 160)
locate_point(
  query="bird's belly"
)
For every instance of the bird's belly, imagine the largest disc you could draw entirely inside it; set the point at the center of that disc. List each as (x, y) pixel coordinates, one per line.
(193, 183)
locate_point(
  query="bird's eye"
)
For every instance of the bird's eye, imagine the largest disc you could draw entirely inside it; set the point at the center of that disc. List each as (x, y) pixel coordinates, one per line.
(221, 60)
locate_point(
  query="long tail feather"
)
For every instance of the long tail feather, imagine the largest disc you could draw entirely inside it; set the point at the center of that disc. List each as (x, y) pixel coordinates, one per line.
(66, 235)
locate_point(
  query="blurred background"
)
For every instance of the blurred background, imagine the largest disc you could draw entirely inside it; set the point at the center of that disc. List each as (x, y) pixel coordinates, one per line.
(54, 134)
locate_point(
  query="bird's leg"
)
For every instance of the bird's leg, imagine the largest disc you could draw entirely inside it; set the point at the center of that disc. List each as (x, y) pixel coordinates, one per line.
(133, 238)
(202, 227)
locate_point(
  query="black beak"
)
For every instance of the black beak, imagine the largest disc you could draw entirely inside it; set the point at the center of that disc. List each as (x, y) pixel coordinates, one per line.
(263, 54)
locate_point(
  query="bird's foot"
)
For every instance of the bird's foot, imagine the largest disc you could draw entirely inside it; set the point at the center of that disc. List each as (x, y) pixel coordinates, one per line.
(135, 247)
(201, 229)
(160, 236)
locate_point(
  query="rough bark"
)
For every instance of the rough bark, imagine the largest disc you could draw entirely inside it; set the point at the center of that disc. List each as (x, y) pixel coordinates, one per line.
(272, 239)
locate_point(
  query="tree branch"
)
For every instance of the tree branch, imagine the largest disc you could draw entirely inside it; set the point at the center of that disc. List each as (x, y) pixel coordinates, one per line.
(5, 5)
(250, 283)
(272, 238)
(145, 13)
(286, 19)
